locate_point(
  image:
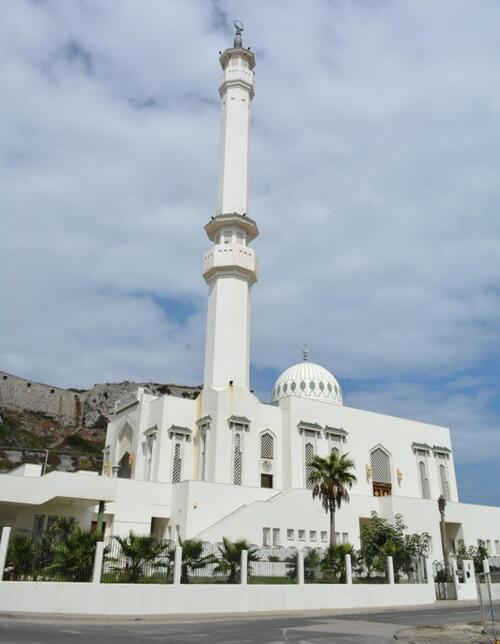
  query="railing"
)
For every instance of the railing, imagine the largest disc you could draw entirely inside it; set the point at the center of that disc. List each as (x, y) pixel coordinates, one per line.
(135, 559)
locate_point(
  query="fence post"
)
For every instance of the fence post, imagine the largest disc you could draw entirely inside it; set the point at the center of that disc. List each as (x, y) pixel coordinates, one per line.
(99, 552)
(4, 546)
(177, 565)
(429, 573)
(348, 569)
(244, 567)
(390, 570)
(300, 568)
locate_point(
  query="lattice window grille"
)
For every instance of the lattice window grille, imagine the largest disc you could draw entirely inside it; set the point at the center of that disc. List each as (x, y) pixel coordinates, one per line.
(309, 455)
(444, 482)
(424, 481)
(381, 469)
(335, 450)
(266, 446)
(237, 460)
(124, 443)
(177, 465)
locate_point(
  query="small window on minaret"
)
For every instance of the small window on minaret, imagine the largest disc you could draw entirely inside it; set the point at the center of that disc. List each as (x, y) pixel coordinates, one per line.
(227, 237)
(239, 237)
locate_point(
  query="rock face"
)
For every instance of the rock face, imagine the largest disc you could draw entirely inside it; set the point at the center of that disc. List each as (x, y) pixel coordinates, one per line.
(35, 416)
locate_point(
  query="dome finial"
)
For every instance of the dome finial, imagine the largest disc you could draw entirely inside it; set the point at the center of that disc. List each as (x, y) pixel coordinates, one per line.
(238, 40)
(305, 352)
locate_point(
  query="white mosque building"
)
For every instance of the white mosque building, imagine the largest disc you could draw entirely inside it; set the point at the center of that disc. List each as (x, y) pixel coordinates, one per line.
(228, 465)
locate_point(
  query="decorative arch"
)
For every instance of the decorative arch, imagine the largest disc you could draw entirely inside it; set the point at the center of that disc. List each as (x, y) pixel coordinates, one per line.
(124, 452)
(380, 462)
(267, 452)
(308, 458)
(424, 479)
(267, 444)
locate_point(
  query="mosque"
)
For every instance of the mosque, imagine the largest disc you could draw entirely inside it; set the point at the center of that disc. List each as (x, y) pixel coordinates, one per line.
(225, 464)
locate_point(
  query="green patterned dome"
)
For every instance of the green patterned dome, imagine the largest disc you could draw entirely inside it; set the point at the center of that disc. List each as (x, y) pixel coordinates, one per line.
(307, 380)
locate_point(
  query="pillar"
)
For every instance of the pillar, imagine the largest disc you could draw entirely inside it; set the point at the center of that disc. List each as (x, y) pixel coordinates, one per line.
(4, 546)
(390, 570)
(244, 567)
(177, 565)
(348, 569)
(98, 558)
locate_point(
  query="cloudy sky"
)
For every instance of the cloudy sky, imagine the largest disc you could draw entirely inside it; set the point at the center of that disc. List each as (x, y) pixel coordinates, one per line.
(375, 184)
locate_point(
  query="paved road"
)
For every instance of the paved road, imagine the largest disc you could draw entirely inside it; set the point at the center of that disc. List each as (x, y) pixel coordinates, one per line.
(343, 628)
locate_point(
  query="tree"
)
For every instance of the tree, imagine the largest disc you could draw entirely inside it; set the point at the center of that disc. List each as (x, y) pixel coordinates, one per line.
(333, 562)
(22, 557)
(193, 558)
(331, 478)
(72, 555)
(139, 552)
(61, 528)
(381, 539)
(475, 553)
(230, 558)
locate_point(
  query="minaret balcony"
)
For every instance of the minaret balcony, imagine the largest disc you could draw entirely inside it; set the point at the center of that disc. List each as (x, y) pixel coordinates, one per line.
(230, 260)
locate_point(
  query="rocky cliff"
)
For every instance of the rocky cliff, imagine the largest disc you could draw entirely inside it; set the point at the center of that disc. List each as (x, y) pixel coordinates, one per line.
(65, 427)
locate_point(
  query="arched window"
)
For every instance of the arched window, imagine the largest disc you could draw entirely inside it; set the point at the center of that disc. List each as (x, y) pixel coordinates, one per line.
(177, 464)
(424, 481)
(266, 446)
(237, 459)
(308, 457)
(124, 452)
(381, 472)
(445, 491)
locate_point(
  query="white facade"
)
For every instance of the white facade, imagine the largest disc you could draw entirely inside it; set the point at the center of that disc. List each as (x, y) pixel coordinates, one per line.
(229, 465)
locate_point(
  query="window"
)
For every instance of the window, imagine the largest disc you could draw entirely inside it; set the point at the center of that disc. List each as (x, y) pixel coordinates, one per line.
(312, 535)
(336, 537)
(497, 547)
(266, 536)
(290, 534)
(177, 464)
(203, 450)
(381, 472)
(50, 521)
(302, 535)
(309, 455)
(266, 446)
(334, 443)
(443, 479)
(149, 457)
(345, 537)
(228, 237)
(266, 480)
(424, 480)
(488, 547)
(239, 237)
(276, 536)
(237, 460)
(324, 535)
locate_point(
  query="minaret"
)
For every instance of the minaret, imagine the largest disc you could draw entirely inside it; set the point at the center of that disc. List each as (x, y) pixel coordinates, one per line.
(230, 266)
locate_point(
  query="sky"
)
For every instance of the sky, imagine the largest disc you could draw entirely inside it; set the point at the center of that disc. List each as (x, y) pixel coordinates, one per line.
(375, 161)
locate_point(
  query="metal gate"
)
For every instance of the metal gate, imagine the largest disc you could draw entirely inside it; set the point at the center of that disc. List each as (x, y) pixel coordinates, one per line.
(485, 601)
(444, 583)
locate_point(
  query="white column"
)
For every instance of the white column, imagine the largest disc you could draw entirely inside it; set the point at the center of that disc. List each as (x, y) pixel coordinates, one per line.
(99, 553)
(244, 567)
(429, 573)
(300, 568)
(4, 546)
(348, 569)
(177, 565)
(390, 570)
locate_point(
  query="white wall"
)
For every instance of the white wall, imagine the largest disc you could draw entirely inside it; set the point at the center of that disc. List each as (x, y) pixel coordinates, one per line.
(149, 599)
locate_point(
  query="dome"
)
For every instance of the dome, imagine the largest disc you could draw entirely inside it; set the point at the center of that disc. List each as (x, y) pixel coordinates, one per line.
(307, 380)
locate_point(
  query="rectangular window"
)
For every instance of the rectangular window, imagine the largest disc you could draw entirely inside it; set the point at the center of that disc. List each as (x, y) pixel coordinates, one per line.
(276, 536)
(312, 535)
(324, 535)
(266, 536)
(266, 480)
(290, 534)
(337, 537)
(302, 535)
(50, 521)
(497, 547)
(345, 537)
(488, 547)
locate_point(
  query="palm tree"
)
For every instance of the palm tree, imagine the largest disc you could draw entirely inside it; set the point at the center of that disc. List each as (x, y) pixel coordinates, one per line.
(61, 528)
(193, 558)
(140, 552)
(230, 560)
(331, 478)
(72, 556)
(23, 556)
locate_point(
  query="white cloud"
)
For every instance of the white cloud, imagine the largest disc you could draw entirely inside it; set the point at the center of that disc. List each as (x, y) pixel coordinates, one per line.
(375, 163)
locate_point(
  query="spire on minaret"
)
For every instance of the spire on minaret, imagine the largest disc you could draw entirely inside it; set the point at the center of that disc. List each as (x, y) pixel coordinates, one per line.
(230, 265)
(238, 40)
(305, 352)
